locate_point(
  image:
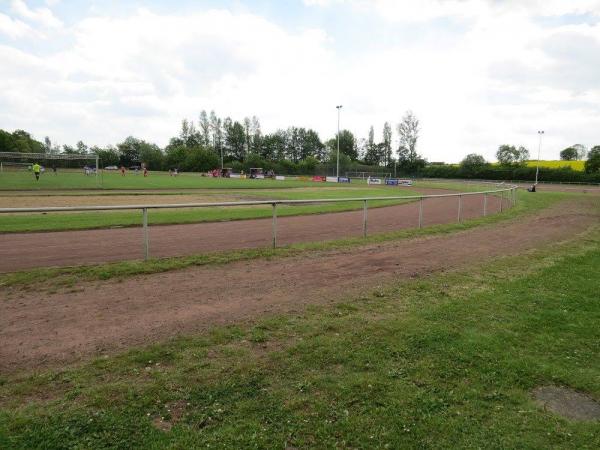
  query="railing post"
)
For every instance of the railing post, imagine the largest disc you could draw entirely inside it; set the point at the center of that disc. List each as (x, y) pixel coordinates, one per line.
(501, 201)
(365, 219)
(484, 204)
(274, 230)
(459, 208)
(145, 231)
(421, 212)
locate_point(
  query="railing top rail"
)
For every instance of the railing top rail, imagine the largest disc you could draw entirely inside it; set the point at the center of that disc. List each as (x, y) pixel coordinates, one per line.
(243, 203)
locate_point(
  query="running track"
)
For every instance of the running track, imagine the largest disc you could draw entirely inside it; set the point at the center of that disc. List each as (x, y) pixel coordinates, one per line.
(71, 248)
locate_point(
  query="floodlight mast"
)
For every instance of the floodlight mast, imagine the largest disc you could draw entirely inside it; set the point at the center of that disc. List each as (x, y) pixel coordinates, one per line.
(337, 172)
(537, 170)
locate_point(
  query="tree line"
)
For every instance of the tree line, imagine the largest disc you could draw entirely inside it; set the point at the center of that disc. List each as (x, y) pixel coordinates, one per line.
(201, 145)
(211, 140)
(512, 166)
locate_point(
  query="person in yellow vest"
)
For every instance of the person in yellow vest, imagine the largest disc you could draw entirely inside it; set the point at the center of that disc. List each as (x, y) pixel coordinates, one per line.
(36, 171)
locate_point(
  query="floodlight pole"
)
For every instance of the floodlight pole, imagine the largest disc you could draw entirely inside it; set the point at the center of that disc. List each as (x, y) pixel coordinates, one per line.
(537, 169)
(337, 172)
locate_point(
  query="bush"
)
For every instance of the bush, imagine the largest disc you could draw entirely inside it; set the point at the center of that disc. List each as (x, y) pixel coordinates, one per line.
(592, 165)
(198, 159)
(519, 173)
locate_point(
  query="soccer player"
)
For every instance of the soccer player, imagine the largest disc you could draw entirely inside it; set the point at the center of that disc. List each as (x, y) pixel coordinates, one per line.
(36, 171)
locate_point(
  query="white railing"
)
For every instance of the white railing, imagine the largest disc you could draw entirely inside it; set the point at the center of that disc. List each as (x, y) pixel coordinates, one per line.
(509, 192)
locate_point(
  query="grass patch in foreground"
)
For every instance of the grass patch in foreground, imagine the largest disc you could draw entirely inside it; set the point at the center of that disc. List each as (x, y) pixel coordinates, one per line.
(446, 361)
(69, 276)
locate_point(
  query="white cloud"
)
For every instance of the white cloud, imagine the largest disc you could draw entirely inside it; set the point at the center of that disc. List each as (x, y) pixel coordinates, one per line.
(499, 79)
(42, 16)
(424, 10)
(142, 74)
(13, 28)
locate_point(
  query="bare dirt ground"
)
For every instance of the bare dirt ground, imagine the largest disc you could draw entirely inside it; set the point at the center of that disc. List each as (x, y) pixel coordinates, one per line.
(38, 329)
(64, 248)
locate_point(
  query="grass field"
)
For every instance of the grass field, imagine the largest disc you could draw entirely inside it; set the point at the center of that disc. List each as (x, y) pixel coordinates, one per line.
(445, 361)
(22, 180)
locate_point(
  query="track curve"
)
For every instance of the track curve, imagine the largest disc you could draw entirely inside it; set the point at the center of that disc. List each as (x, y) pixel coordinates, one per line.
(21, 251)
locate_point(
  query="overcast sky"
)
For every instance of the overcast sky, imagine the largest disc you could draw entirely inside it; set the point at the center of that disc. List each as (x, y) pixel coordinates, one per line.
(477, 73)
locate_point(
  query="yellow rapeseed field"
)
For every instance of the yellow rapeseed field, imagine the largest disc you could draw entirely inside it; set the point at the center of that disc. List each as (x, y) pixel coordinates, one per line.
(575, 165)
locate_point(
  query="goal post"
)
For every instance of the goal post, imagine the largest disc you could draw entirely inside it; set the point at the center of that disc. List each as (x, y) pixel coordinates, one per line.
(24, 160)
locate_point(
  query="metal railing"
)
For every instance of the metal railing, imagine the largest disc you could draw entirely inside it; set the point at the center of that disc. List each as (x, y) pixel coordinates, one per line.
(510, 191)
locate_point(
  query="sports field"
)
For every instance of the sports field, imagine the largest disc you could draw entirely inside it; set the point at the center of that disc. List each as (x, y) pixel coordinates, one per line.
(455, 335)
(106, 179)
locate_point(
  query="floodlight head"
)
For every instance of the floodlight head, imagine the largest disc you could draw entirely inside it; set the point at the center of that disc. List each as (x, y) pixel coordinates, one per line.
(338, 106)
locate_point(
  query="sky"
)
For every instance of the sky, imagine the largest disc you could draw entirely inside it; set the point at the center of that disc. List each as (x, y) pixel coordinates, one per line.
(476, 73)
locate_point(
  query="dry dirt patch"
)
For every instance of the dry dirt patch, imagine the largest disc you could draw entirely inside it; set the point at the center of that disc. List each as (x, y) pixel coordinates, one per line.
(25, 201)
(567, 402)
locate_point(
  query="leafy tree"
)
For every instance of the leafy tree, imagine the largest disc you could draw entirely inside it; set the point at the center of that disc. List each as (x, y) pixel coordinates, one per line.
(311, 145)
(509, 155)
(472, 163)
(68, 149)
(568, 154)
(381, 151)
(581, 151)
(370, 155)
(247, 135)
(19, 141)
(188, 135)
(133, 151)
(387, 144)
(592, 165)
(204, 124)
(175, 156)
(256, 134)
(347, 145)
(82, 149)
(408, 133)
(199, 159)
(108, 156)
(273, 146)
(345, 160)
(47, 145)
(151, 155)
(308, 165)
(235, 138)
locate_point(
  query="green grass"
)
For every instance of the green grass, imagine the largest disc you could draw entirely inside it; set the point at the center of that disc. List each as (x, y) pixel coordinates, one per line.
(446, 361)
(16, 223)
(23, 180)
(53, 277)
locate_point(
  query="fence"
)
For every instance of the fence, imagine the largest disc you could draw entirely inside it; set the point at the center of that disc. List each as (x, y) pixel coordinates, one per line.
(365, 175)
(507, 194)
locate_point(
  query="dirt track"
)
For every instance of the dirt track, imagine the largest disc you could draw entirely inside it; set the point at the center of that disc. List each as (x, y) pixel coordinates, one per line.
(37, 330)
(28, 250)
